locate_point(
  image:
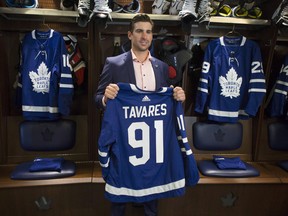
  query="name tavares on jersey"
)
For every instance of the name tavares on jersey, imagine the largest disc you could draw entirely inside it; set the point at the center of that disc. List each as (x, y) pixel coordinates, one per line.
(144, 111)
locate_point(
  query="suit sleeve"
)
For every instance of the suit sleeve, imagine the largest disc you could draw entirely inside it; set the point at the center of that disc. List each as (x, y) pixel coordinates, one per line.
(105, 80)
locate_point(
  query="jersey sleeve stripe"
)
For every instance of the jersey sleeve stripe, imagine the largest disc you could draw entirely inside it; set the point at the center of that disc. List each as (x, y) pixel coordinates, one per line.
(66, 85)
(65, 75)
(280, 91)
(282, 83)
(102, 154)
(106, 164)
(257, 90)
(203, 80)
(257, 81)
(203, 90)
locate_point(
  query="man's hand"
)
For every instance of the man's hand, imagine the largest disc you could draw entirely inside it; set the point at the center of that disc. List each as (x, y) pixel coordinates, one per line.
(111, 92)
(179, 94)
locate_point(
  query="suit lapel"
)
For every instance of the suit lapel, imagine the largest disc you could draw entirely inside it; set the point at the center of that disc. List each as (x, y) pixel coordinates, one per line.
(129, 67)
(157, 73)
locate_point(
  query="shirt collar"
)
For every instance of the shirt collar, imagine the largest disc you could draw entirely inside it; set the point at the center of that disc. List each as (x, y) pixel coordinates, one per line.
(135, 58)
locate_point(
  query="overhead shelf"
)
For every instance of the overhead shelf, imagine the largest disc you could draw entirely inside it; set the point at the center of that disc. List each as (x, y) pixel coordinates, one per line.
(72, 16)
(38, 14)
(238, 21)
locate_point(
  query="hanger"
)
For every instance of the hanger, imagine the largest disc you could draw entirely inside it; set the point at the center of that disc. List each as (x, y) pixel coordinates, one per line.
(43, 26)
(233, 33)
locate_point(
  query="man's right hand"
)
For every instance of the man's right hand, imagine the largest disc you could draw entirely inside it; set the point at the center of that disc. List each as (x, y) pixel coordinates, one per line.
(111, 92)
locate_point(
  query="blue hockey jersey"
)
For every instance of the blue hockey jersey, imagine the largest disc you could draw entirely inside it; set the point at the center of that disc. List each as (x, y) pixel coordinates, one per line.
(278, 103)
(143, 148)
(232, 83)
(45, 86)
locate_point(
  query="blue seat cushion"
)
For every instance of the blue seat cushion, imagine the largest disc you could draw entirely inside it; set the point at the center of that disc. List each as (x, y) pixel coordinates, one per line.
(47, 135)
(209, 168)
(22, 172)
(283, 164)
(213, 136)
(278, 135)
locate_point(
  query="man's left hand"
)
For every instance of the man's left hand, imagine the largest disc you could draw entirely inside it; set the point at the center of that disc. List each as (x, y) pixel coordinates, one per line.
(179, 94)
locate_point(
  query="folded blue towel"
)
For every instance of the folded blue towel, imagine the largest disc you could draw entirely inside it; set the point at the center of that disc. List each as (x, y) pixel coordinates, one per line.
(229, 163)
(46, 164)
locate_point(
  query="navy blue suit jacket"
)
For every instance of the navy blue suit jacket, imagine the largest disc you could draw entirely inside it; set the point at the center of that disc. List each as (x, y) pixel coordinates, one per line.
(120, 69)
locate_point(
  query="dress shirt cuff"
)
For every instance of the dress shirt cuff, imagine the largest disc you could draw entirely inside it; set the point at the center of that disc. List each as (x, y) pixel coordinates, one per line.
(103, 101)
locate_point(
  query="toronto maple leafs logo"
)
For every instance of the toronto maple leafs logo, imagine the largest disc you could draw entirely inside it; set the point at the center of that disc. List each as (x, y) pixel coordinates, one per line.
(231, 84)
(41, 79)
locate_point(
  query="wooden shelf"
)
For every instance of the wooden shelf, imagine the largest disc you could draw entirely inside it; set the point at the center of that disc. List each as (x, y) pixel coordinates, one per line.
(38, 14)
(72, 16)
(238, 21)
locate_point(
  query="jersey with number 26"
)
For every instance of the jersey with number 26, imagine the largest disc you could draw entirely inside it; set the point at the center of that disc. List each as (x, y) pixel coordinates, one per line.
(143, 147)
(232, 83)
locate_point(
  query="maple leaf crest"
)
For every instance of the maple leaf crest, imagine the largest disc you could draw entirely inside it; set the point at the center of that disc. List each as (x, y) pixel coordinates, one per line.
(40, 80)
(230, 86)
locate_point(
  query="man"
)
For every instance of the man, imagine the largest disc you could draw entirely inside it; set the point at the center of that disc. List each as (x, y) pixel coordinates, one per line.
(138, 67)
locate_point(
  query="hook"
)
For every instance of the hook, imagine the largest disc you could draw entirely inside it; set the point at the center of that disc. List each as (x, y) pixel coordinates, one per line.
(208, 25)
(100, 36)
(233, 28)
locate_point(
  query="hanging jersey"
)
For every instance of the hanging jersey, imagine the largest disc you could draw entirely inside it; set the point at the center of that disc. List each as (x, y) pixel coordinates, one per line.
(232, 82)
(45, 80)
(143, 148)
(278, 103)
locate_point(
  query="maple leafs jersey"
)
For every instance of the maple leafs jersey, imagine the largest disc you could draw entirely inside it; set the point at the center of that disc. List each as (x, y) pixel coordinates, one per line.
(45, 85)
(143, 148)
(278, 103)
(232, 82)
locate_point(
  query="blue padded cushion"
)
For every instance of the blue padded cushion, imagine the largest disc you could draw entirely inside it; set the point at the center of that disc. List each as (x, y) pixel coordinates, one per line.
(217, 136)
(209, 168)
(47, 135)
(283, 164)
(278, 135)
(21, 172)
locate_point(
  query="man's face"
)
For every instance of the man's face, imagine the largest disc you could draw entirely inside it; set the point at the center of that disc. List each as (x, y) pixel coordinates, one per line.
(141, 37)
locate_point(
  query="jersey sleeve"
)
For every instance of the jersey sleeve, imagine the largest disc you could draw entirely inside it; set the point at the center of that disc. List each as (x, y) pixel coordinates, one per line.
(257, 86)
(19, 80)
(106, 139)
(278, 101)
(66, 87)
(190, 165)
(204, 82)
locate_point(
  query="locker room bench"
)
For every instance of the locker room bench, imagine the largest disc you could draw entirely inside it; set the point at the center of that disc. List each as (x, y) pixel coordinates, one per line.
(83, 194)
(262, 195)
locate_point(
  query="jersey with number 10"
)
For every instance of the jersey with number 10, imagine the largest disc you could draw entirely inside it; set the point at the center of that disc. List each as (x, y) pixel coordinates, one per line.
(143, 148)
(45, 87)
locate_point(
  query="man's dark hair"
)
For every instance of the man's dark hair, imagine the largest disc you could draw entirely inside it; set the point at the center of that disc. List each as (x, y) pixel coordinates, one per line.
(140, 18)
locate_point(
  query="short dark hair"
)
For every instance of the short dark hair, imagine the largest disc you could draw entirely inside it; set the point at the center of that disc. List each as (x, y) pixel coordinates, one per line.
(142, 17)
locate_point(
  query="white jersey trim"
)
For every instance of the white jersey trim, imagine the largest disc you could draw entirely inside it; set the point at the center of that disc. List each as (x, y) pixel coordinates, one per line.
(40, 109)
(223, 113)
(145, 192)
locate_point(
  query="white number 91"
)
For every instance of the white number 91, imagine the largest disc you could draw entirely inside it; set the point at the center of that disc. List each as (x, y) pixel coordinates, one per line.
(144, 143)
